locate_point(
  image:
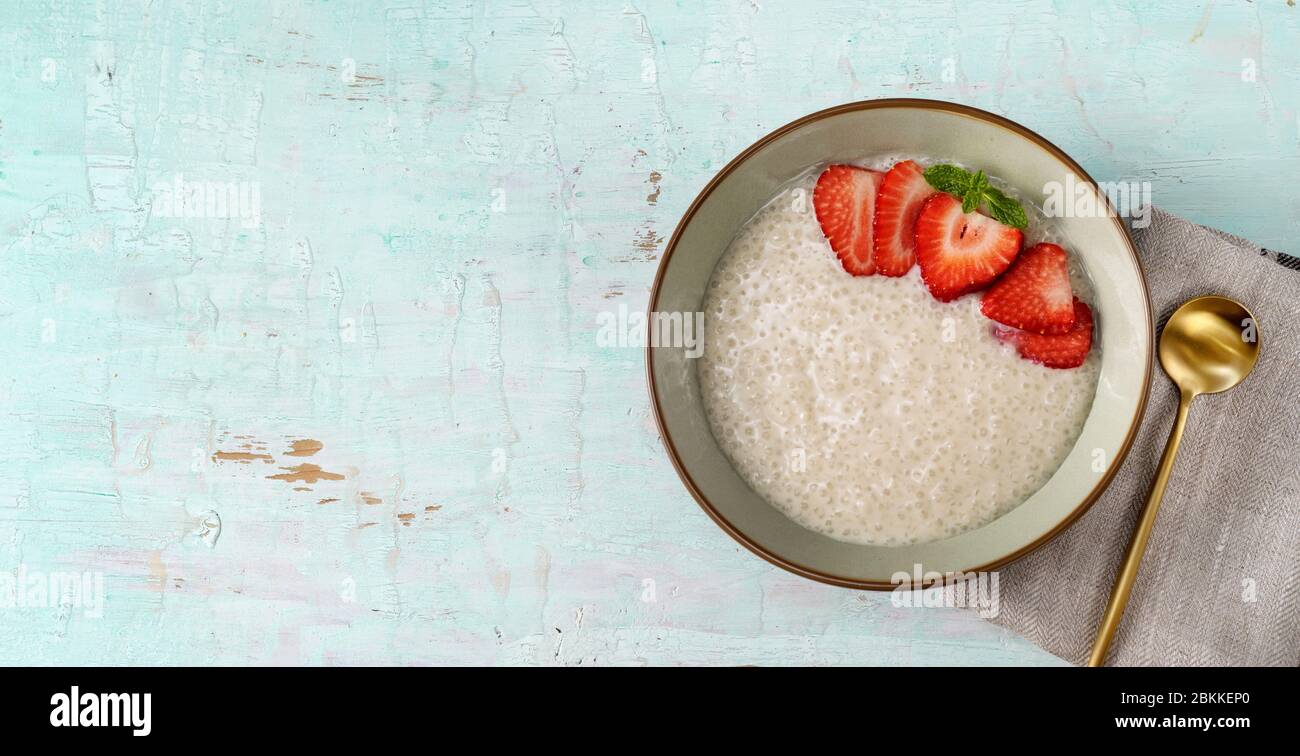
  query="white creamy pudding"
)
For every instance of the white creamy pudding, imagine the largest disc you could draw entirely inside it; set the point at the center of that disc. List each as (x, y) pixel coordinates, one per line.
(861, 406)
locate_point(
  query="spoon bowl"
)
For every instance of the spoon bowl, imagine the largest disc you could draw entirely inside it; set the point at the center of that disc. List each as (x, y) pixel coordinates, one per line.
(1209, 345)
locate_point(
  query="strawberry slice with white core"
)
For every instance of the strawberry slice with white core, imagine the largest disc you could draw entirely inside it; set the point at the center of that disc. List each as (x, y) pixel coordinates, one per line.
(898, 203)
(845, 202)
(1034, 294)
(1062, 350)
(961, 252)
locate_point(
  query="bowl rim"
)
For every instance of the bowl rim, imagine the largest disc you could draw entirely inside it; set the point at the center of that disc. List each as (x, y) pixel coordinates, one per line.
(924, 104)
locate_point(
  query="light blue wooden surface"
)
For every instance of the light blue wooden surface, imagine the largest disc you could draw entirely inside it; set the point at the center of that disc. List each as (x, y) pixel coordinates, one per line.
(449, 195)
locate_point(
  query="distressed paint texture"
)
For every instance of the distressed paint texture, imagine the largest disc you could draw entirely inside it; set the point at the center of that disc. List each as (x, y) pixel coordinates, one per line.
(450, 192)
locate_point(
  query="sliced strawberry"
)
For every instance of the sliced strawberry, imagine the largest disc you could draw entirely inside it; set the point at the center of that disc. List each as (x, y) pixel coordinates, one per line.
(1065, 350)
(961, 252)
(845, 202)
(898, 202)
(1034, 294)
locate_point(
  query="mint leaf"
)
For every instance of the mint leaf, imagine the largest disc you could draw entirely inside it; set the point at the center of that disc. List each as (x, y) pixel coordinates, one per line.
(973, 189)
(948, 178)
(1005, 210)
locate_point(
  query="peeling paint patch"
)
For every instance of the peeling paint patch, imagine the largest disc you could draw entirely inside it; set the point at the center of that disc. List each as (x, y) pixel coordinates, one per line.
(647, 239)
(306, 473)
(209, 528)
(241, 457)
(157, 572)
(653, 196)
(370, 498)
(304, 447)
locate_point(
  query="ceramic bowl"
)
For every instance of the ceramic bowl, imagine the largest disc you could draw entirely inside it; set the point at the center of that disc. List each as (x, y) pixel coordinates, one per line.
(1002, 148)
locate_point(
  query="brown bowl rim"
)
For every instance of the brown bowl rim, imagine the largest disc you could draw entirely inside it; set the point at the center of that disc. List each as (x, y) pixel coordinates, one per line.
(925, 104)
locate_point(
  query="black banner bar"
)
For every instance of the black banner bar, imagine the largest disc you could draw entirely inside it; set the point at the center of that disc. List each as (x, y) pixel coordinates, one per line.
(176, 705)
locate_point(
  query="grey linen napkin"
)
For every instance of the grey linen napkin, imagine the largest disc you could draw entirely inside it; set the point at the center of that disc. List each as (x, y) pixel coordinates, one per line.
(1220, 579)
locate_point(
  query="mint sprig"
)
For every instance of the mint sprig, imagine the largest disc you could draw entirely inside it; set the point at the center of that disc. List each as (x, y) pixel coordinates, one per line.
(973, 190)
(1005, 210)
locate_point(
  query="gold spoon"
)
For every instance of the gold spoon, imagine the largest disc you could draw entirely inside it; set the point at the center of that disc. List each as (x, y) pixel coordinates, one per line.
(1209, 345)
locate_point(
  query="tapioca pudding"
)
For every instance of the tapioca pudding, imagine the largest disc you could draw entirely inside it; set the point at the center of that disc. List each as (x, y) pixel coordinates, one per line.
(901, 406)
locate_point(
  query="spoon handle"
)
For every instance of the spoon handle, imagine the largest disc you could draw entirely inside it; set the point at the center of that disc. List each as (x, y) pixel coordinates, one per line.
(1133, 557)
